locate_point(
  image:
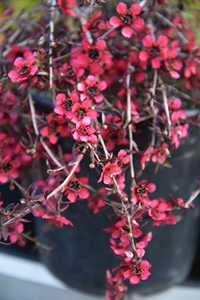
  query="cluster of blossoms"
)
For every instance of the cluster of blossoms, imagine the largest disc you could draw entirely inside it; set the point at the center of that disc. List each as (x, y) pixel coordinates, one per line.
(94, 88)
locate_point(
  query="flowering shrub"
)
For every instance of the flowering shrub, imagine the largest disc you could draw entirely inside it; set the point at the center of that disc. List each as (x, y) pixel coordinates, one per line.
(103, 72)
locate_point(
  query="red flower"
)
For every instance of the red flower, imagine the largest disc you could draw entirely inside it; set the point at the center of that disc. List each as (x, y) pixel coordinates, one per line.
(93, 22)
(84, 133)
(17, 51)
(83, 110)
(109, 170)
(25, 71)
(93, 56)
(128, 18)
(13, 230)
(172, 63)
(154, 50)
(76, 189)
(146, 156)
(143, 243)
(120, 228)
(140, 192)
(158, 209)
(57, 220)
(66, 6)
(8, 168)
(95, 202)
(68, 73)
(63, 105)
(115, 288)
(175, 104)
(114, 135)
(190, 67)
(138, 272)
(91, 88)
(55, 126)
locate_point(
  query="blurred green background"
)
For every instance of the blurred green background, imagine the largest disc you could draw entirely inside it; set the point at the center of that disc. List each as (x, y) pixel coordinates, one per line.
(18, 4)
(190, 9)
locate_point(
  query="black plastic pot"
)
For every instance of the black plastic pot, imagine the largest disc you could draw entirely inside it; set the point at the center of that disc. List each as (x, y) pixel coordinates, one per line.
(82, 253)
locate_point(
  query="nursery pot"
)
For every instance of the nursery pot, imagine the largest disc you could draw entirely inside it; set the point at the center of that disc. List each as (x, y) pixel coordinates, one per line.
(82, 253)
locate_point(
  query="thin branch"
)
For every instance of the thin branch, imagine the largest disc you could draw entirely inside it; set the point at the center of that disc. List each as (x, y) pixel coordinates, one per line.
(192, 197)
(32, 109)
(51, 155)
(165, 102)
(165, 20)
(52, 44)
(83, 21)
(155, 111)
(29, 209)
(65, 182)
(129, 121)
(106, 33)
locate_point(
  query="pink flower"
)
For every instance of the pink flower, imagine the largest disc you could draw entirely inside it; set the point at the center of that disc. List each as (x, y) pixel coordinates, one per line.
(123, 157)
(25, 71)
(128, 19)
(158, 209)
(138, 272)
(146, 156)
(91, 88)
(177, 133)
(108, 171)
(57, 220)
(140, 192)
(84, 133)
(154, 50)
(160, 154)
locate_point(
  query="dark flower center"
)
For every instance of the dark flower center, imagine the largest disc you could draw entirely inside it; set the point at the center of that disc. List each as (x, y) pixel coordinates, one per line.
(127, 19)
(83, 131)
(137, 270)
(53, 126)
(92, 90)
(55, 222)
(70, 73)
(23, 70)
(65, 4)
(93, 54)
(6, 167)
(156, 212)
(75, 185)
(141, 190)
(68, 103)
(81, 113)
(154, 51)
(113, 135)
